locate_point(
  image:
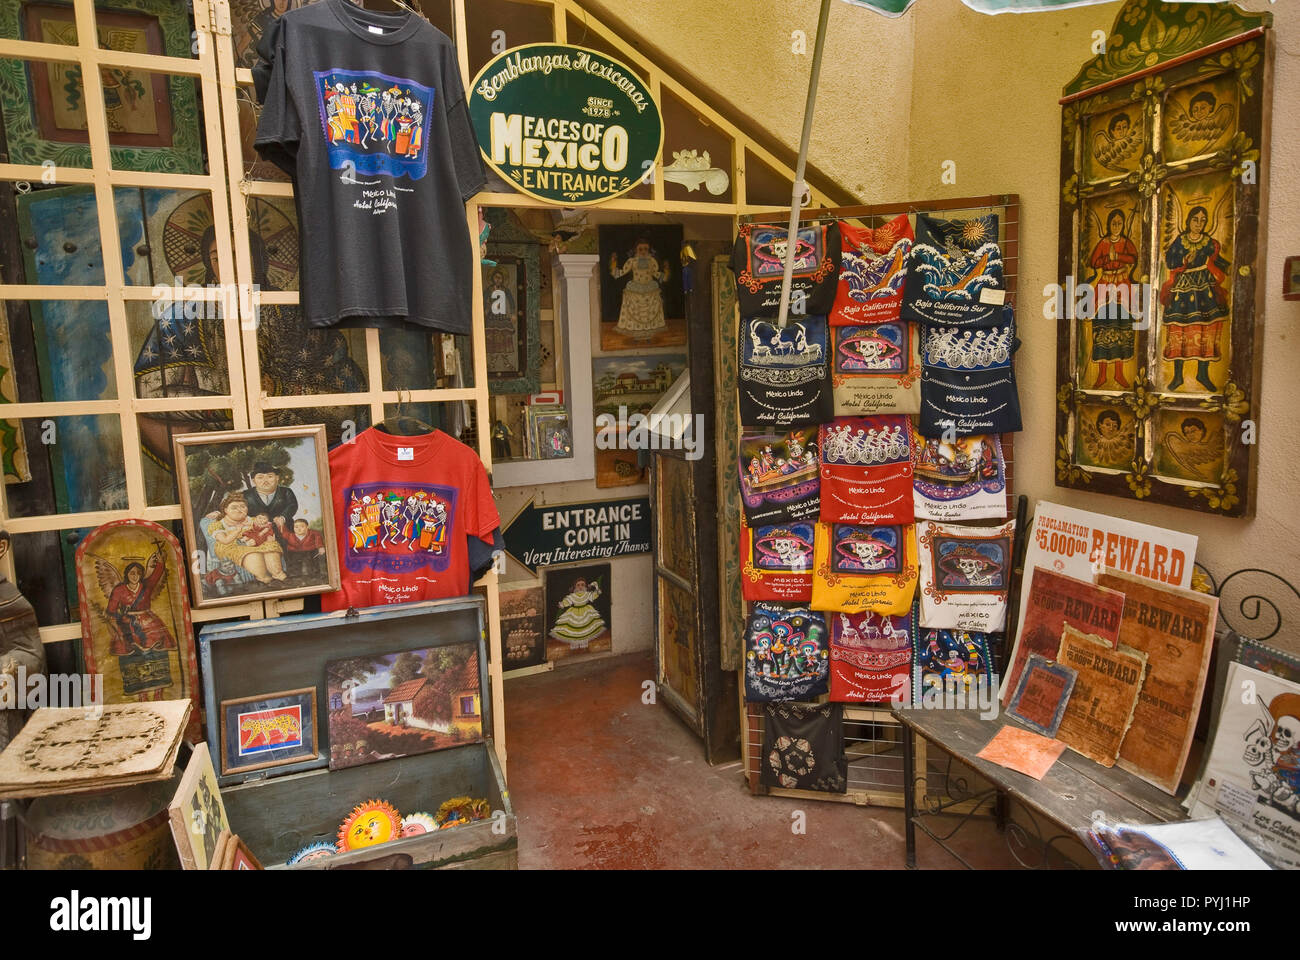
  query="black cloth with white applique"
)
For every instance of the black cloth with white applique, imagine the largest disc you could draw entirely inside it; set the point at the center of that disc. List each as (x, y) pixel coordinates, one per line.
(758, 260)
(366, 111)
(784, 375)
(968, 377)
(803, 747)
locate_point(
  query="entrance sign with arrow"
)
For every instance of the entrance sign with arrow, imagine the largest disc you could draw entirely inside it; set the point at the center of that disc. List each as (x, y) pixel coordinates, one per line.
(575, 532)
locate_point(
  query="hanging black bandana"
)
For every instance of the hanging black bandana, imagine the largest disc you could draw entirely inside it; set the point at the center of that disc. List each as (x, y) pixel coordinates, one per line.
(954, 272)
(759, 264)
(803, 747)
(784, 373)
(968, 379)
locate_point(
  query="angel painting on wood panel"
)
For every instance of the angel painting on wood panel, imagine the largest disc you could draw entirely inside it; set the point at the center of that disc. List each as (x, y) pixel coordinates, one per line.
(138, 636)
(1197, 450)
(1113, 260)
(1106, 439)
(1117, 146)
(1201, 124)
(1194, 296)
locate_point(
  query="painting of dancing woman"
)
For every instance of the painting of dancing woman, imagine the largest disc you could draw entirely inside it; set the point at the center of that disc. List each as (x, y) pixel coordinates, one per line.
(578, 621)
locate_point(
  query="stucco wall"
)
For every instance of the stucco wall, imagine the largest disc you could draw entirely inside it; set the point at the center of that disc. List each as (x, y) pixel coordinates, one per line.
(898, 97)
(741, 49)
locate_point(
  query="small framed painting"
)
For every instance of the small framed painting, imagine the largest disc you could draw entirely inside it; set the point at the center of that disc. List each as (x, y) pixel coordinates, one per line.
(512, 317)
(258, 516)
(1042, 694)
(268, 731)
(239, 857)
(403, 703)
(1291, 279)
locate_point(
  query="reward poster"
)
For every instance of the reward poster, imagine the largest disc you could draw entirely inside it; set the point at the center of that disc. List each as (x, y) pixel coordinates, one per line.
(1080, 544)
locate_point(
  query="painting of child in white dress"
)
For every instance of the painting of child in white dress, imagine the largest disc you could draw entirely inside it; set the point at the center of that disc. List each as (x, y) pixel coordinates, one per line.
(641, 298)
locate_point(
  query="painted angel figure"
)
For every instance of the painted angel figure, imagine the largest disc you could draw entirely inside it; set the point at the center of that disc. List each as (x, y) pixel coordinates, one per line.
(641, 314)
(1194, 296)
(1113, 261)
(138, 636)
(1194, 448)
(1203, 123)
(1106, 440)
(1117, 145)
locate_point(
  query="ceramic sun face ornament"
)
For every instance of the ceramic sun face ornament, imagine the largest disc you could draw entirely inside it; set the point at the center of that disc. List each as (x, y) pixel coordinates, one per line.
(368, 825)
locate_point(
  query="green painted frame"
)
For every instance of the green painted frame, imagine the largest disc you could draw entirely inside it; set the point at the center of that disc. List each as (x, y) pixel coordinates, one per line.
(17, 100)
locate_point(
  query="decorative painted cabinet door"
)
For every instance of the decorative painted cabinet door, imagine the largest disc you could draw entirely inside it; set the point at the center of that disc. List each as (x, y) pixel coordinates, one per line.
(1164, 151)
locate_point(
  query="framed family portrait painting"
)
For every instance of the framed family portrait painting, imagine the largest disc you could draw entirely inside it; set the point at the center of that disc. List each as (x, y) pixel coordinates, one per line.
(257, 513)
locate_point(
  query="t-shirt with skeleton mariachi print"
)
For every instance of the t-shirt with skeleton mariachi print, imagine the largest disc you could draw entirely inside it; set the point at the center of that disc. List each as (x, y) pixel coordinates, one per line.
(409, 512)
(365, 110)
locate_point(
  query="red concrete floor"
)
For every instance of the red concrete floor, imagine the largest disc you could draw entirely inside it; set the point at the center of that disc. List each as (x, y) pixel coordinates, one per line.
(600, 780)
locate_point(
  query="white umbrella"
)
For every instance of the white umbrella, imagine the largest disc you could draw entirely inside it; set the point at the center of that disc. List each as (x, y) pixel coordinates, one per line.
(889, 8)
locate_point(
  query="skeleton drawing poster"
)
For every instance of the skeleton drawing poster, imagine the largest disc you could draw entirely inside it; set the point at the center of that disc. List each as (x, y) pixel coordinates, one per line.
(876, 368)
(776, 561)
(758, 260)
(863, 569)
(1252, 779)
(866, 470)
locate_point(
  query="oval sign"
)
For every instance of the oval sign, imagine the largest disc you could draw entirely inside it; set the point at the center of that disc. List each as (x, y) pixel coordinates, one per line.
(565, 124)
